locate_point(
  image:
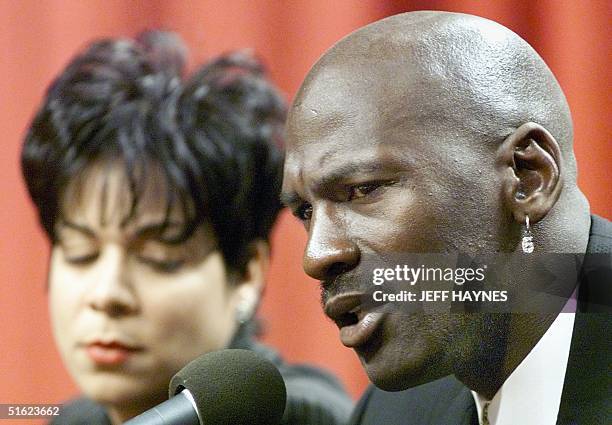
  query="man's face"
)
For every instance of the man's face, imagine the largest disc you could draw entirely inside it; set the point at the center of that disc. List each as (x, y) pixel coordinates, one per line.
(130, 306)
(373, 170)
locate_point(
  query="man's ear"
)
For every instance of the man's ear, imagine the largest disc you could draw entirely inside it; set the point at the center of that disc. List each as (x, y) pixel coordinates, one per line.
(251, 284)
(531, 163)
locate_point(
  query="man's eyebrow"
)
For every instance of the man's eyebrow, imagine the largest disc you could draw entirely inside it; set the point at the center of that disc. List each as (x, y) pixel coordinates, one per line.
(338, 173)
(349, 170)
(78, 227)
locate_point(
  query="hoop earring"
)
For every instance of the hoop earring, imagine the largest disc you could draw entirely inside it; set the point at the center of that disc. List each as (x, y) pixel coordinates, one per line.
(527, 242)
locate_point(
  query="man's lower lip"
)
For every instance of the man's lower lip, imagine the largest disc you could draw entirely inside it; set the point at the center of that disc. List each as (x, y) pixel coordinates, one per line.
(108, 355)
(359, 333)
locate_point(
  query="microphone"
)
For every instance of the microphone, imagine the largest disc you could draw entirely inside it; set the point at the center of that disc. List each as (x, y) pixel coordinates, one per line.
(227, 387)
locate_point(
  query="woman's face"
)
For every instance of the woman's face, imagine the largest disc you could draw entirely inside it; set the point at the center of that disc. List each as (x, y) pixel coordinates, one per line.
(130, 306)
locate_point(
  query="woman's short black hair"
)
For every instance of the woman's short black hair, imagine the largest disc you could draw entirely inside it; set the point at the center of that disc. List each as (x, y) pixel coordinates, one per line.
(216, 136)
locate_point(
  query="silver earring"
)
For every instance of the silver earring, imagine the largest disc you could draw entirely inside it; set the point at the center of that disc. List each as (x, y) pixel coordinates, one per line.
(527, 242)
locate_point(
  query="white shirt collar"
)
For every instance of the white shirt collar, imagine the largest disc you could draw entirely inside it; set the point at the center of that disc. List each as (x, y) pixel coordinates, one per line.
(532, 393)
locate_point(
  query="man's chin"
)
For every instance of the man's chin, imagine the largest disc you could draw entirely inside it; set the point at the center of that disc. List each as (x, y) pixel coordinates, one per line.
(389, 380)
(398, 374)
(393, 383)
(399, 357)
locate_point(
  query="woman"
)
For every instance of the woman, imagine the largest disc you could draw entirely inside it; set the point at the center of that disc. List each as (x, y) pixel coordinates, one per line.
(158, 196)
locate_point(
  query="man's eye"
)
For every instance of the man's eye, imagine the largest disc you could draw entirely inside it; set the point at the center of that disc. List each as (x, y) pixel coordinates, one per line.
(362, 190)
(304, 212)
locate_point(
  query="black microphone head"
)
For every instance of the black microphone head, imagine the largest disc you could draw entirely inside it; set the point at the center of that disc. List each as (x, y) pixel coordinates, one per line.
(233, 387)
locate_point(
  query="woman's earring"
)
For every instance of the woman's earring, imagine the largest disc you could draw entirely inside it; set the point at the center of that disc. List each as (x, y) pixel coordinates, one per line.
(527, 242)
(244, 311)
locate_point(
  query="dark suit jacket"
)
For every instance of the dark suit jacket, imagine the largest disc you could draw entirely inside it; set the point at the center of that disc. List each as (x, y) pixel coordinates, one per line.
(587, 395)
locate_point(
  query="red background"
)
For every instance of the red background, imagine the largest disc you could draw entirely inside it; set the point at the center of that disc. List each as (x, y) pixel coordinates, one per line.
(38, 38)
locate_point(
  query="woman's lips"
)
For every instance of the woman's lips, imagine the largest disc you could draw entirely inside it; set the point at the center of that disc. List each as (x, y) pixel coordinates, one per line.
(109, 354)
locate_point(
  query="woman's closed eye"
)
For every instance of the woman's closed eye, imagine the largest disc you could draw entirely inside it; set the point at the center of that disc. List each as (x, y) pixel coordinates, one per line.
(79, 250)
(162, 257)
(82, 259)
(162, 265)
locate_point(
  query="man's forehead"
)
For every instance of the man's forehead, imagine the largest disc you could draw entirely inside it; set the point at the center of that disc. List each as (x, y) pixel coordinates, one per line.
(343, 95)
(341, 113)
(372, 92)
(378, 56)
(427, 66)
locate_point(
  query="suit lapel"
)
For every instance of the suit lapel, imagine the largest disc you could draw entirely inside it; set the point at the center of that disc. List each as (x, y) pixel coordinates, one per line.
(586, 390)
(461, 411)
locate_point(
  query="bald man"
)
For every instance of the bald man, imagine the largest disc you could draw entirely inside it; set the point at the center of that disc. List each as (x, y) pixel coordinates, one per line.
(433, 132)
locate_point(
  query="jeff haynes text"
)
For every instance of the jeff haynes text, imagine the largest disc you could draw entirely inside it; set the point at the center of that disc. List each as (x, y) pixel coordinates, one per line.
(441, 295)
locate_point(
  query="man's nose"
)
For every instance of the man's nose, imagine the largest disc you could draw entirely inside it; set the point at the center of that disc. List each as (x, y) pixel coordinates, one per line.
(329, 252)
(112, 291)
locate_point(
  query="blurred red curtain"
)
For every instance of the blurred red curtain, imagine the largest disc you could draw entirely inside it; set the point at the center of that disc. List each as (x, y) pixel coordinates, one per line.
(37, 39)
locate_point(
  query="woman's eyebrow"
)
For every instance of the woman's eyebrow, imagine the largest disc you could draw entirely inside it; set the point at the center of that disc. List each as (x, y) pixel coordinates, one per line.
(78, 227)
(155, 228)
